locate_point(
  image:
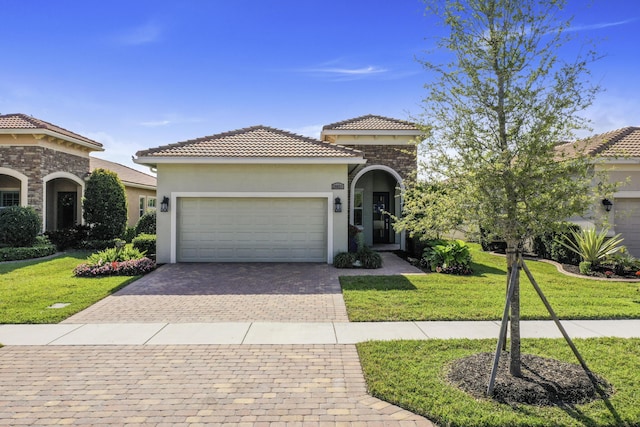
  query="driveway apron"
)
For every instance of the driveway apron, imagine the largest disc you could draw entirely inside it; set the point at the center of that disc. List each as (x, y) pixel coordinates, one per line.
(203, 384)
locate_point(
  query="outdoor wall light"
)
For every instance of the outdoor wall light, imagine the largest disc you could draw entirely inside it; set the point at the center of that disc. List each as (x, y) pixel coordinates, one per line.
(164, 206)
(337, 205)
(607, 204)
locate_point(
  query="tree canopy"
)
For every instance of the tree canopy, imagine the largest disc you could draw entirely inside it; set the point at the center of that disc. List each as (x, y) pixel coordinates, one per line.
(494, 114)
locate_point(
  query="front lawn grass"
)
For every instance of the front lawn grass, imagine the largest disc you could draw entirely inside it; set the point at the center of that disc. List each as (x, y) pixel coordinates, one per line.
(481, 296)
(412, 375)
(28, 288)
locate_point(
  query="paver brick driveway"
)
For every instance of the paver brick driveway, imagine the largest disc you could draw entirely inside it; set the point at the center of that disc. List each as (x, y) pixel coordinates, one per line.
(225, 292)
(233, 292)
(159, 385)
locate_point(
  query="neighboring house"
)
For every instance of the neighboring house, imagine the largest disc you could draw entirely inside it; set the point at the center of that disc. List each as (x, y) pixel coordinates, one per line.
(266, 195)
(619, 152)
(139, 187)
(45, 166)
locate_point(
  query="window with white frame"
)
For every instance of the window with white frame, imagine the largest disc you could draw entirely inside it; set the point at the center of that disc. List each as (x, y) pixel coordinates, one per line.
(151, 203)
(358, 203)
(142, 206)
(9, 198)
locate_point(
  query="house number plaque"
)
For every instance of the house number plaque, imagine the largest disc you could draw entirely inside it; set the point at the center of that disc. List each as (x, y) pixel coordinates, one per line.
(337, 186)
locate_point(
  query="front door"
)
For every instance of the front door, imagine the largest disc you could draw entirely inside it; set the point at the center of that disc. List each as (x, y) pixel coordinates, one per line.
(67, 209)
(381, 220)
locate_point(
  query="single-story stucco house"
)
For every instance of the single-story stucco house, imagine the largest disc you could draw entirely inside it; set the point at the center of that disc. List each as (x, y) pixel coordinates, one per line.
(45, 166)
(266, 195)
(619, 155)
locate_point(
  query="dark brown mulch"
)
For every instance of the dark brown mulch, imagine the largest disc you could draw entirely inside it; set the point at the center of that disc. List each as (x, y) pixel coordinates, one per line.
(570, 268)
(544, 381)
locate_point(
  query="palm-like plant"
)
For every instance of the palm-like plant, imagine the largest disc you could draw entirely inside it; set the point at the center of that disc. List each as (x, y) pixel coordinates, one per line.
(592, 246)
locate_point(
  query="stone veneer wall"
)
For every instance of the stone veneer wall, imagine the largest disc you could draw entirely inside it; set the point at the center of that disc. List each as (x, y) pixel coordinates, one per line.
(401, 158)
(37, 162)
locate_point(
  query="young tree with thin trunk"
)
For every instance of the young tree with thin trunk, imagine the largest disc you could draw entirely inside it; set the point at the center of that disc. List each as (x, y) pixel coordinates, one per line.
(494, 115)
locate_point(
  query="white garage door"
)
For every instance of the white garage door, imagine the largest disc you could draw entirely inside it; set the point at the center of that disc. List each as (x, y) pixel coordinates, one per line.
(628, 223)
(252, 230)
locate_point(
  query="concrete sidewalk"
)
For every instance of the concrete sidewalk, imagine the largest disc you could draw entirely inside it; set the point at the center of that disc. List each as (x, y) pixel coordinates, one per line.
(288, 333)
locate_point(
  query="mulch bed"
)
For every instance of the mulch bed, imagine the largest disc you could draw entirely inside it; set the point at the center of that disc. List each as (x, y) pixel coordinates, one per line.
(544, 382)
(570, 268)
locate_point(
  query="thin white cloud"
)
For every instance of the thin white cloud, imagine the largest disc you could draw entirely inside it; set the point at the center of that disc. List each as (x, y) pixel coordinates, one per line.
(333, 70)
(143, 34)
(154, 124)
(364, 71)
(600, 25)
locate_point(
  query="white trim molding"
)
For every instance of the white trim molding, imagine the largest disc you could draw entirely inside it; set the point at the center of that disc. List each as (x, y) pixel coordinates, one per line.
(174, 196)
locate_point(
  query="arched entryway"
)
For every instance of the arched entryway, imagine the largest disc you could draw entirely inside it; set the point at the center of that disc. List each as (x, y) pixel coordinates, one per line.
(376, 191)
(62, 201)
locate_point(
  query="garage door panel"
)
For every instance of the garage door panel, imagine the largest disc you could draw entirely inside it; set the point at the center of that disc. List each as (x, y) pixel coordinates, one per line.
(627, 223)
(252, 229)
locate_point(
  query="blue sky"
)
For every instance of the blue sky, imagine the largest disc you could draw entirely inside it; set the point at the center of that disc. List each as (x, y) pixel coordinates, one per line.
(136, 74)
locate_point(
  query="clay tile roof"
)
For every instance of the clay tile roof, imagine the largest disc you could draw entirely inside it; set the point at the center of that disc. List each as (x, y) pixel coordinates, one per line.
(371, 122)
(24, 122)
(256, 141)
(623, 142)
(126, 174)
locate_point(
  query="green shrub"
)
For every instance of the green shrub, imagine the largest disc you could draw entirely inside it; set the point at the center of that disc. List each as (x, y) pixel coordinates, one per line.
(369, 258)
(548, 247)
(105, 205)
(16, 254)
(592, 246)
(124, 260)
(110, 255)
(69, 238)
(19, 226)
(147, 223)
(451, 256)
(622, 262)
(129, 234)
(146, 243)
(344, 260)
(585, 267)
(98, 245)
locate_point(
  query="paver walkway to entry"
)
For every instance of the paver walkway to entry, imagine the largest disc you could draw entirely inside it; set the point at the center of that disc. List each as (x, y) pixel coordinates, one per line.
(175, 385)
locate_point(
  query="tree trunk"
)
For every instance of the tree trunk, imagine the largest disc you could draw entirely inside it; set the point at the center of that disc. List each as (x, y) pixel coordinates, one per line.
(513, 255)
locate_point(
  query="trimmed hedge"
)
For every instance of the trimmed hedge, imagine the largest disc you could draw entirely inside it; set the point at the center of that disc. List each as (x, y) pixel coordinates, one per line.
(105, 205)
(147, 223)
(146, 243)
(69, 238)
(17, 254)
(19, 226)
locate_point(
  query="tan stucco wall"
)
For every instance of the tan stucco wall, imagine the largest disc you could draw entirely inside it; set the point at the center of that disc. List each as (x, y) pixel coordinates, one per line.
(249, 178)
(133, 202)
(629, 175)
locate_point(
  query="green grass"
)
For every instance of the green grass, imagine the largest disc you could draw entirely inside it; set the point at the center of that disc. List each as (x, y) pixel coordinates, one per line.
(412, 374)
(481, 296)
(28, 288)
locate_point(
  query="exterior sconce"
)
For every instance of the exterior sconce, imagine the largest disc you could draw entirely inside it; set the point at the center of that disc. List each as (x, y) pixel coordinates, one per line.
(607, 204)
(164, 206)
(337, 204)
